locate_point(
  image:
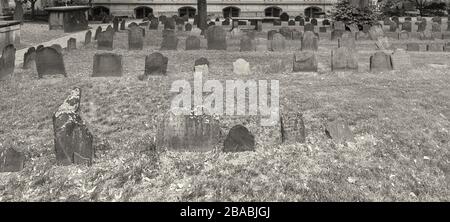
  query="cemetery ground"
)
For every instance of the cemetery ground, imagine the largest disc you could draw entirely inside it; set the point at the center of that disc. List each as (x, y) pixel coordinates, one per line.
(400, 120)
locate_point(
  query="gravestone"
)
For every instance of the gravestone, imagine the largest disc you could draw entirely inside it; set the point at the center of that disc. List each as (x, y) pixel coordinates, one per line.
(309, 27)
(97, 32)
(49, 62)
(403, 35)
(313, 22)
(353, 28)
(426, 35)
(216, 38)
(154, 23)
(344, 59)
(326, 22)
(422, 26)
(407, 26)
(107, 65)
(122, 25)
(366, 28)
(188, 132)
(7, 61)
(413, 47)
(292, 128)
(284, 17)
(305, 61)
(296, 35)
(395, 19)
(400, 60)
(361, 36)
(241, 67)
(188, 27)
(169, 23)
(393, 27)
(156, 64)
(380, 61)
(435, 47)
(57, 47)
(339, 131)
(286, 32)
(246, 44)
(301, 22)
(383, 43)
(436, 27)
(170, 40)
(437, 19)
(239, 139)
(29, 58)
(116, 24)
(192, 43)
(11, 160)
(162, 19)
(322, 29)
(375, 32)
(347, 40)
(291, 23)
(270, 34)
(87, 37)
(336, 34)
(339, 25)
(276, 23)
(72, 44)
(310, 41)
(135, 38)
(278, 43)
(105, 40)
(73, 140)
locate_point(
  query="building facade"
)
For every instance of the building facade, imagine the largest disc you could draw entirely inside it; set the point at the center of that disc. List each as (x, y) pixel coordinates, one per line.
(216, 8)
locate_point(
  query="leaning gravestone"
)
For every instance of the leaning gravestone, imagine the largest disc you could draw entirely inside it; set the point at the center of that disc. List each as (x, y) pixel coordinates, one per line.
(105, 40)
(413, 46)
(192, 43)
(400, 59)
(339, 131)
(347, 40)
(246, 44)
(170, 40)
(380, 61)
(72, 44)
(11, 160)
(239, 139)
(7, 61)
(278, 43)
(29, 58)
(216, 38)
(344, 59)
(353, 28)
(87, 37)
(107, 64)
(310, 41)
(156, 64)
(49, 62)
(292, 128)
(73, 140)
(241, 67)
(97, 32)
(154, 24)
(305, 61)
(188, 132)
(135, 38)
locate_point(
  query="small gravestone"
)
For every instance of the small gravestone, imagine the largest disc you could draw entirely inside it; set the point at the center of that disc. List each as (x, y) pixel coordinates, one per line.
(154, 24)
(246, 44)
(87, 37)
(305, 61)
(347, 40)
(135, 38)
(107, 64)
(353, 28)
(296, 35)
(339, 131)
(29, 58)
(7, 61)
(192, 43)
(292, 128)
(72, 44)
(57, 47)
(375, 32)
(313, 22)
(49, 62)
(310, 41)
(291, 23)
(400, 60)
(105, 40)
(435, 47)
(309, 27)
(188, 27)
(170, 40)
(241, 67)
(278, 43)
(72, 137)
(407, 26)
(216, 38)
(97, 32)
(239, 139)
(393, 27)
(344, 59)
(380, 61)
(122, 25)
(116, 24)
(360, 36)
(413, 47)
(436, 27)
(11, 160)
(156, 64)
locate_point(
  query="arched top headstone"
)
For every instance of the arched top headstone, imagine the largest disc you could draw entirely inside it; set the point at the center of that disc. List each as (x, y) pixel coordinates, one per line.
(239, 139)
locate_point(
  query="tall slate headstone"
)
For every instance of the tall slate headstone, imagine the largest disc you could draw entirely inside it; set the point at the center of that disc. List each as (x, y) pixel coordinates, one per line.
(105, 40)
(49, 62)
(170, 40)
(216, 38)
(7, 61)
(135, 38)
(192, 43)
(107, 65)
(310, 41)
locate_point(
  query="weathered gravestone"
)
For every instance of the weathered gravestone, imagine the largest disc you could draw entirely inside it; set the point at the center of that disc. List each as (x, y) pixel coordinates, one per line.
(347, 40)
(87, 37)
(156, 64)
(154, 24)
(239, 139)
(71, 44)
(403, 35)
(339, 131)
(310, 41)
(435, 47)
(292, 128)
(7, 61)
(241, 67)
(29, 58)
(412, 46)
(49, 62)
(105, 40)
(353, 28)
(336, 34)
(107, 65)
(97, 32)
(57, 47)
(73, 140)
(291, 23)
(188, 27)
(246, 44)
(116, 24)
(135, 38)
(304, 61)
(344, 59)
(11, 160)
(169, 23)
(284, 17)
(216, 38)
(339, 25)
(393, 27)
(366, 28)
(380, 61)
(278, 43)
(192, 43)
(400, 59)
(296, 35)
(421, 26)
(170, 40)
(407, 26)
(188, 132)
(122, 25)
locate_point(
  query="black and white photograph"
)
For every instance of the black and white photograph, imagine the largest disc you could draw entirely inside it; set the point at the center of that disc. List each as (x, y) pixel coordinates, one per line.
(225, 101)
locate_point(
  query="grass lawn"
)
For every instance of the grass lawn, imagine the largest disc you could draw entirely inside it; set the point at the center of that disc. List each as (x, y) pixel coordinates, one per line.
(401, 122)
